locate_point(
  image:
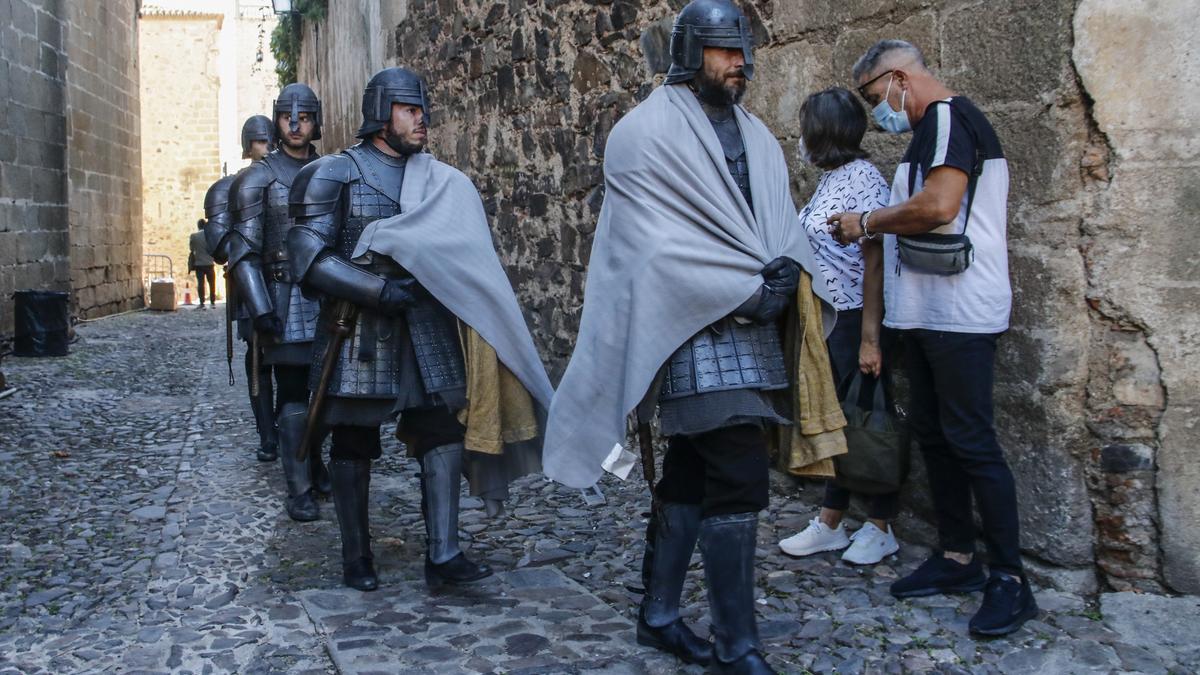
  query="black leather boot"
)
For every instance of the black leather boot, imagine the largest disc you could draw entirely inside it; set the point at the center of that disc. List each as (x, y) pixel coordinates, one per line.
(301, 502)
(441, 480)
(670, 540)
(351, 483)
(321, 482)
(263, 406)
(727, 544)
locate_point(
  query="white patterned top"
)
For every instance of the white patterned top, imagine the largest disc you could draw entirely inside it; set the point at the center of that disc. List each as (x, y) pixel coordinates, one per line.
(856, 186)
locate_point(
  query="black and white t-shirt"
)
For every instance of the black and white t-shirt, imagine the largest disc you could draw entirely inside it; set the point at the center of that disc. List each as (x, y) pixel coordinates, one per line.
(855, 186)
(954, 133)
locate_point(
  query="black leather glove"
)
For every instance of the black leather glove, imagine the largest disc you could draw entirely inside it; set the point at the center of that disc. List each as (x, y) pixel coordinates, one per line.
(398, 295)
(268, 324)
(781, 278)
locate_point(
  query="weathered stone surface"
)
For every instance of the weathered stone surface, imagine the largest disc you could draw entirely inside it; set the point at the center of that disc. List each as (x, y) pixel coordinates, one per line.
(1121, 458)
(33, 234)
(104, 156)
(1147, 620)
(796, 70)
(1136, 286)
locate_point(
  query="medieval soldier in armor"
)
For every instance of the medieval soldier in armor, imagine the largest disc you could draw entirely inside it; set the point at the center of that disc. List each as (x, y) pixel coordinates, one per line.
(696, 261)
(257, 138)
(283, 320)
(399, 243)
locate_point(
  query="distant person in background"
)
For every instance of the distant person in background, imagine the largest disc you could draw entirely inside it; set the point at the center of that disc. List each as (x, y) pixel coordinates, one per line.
(832, 125)
(200, 261)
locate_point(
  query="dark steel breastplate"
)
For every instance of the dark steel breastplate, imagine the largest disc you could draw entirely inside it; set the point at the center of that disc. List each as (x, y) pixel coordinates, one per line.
(371, 361)
(735, 154)
(727, 355)
(299, 314)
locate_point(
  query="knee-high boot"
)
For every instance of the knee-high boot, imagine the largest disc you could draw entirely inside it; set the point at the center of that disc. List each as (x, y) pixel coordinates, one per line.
(671, 538)
(351, 485)
(301, 503)
(441, 480)
(727, 544)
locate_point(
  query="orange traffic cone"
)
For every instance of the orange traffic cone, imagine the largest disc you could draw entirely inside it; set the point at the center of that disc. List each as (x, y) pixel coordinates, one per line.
(187, 297)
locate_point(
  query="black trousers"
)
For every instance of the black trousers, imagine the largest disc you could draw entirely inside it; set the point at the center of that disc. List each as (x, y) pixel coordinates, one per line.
(951, 417)
(424, 429)
(724, 470)
(291, 384)
(843, 343)
(207, 273)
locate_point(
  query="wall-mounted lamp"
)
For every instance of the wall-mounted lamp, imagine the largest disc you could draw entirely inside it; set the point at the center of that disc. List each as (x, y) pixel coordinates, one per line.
(282, 6)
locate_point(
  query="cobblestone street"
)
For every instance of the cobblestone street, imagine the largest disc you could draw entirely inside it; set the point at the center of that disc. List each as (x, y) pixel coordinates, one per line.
(142, 536)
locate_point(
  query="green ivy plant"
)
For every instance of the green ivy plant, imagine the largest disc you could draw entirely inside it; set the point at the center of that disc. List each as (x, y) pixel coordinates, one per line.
(285, 39)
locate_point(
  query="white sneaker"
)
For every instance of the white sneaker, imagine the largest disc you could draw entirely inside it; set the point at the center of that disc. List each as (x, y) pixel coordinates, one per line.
(815, 538)
(870, 545)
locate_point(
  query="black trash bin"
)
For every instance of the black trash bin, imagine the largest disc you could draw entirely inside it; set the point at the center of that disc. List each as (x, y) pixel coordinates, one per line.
(42, 323)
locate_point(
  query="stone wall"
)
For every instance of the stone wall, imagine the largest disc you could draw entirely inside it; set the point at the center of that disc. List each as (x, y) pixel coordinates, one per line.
(1095, 390)
(34, 248)
(257, 83)
(104, 157)
(180, 130)
(70, 211)
(1142, 268)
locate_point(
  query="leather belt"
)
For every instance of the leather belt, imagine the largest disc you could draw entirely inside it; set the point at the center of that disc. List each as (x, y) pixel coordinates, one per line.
(279, 272)
(368, 334)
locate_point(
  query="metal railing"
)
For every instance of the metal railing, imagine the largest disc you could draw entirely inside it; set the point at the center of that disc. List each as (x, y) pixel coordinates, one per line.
(156, 266)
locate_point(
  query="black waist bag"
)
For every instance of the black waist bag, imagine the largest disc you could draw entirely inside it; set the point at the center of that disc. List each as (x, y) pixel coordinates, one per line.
(944, 254)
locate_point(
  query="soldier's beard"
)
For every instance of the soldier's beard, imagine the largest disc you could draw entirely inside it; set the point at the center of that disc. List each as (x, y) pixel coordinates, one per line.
(300, 144)
(402, 143)
(719, 90)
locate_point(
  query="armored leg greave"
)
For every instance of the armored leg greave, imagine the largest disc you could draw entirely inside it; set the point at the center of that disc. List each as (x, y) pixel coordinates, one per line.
(441, 479)
(671, 538)
(301, 502)
(727, 544)
(351, 484)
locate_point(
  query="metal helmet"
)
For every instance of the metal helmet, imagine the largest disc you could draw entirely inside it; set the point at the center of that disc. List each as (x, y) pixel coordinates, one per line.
(256, 128)
(708, 23)
(295, 99)
(388, 86)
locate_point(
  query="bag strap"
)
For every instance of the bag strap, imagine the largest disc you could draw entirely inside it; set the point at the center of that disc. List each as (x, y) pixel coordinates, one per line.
(972, 181)
(972, 178)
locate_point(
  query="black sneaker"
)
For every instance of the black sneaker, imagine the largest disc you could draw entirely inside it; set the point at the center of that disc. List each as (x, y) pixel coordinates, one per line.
(939, 574)
(1007, 604)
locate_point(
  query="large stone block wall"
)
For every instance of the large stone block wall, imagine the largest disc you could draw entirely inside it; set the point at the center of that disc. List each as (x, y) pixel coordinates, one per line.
(34, 249)
(104, 157)
(179, 129)
(1095, 390)
(257, 83)
(1143, 271)
(70, 191)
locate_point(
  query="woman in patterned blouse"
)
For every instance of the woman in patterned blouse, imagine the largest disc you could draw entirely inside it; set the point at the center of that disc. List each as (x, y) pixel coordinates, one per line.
(832, 125)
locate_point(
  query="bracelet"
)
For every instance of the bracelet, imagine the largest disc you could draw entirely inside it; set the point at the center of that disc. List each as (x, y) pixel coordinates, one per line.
(863, 223)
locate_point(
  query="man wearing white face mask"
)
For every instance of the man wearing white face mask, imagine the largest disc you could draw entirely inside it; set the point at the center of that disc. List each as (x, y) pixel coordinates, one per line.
(946, 290)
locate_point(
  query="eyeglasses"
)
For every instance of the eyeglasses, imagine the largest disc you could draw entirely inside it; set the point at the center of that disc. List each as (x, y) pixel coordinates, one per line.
(862, 89)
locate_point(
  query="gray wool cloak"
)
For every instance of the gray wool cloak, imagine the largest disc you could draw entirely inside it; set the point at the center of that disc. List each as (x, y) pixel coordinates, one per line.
(441, 237)
(676, 249)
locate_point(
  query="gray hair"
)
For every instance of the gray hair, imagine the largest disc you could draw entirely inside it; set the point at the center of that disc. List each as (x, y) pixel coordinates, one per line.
(889, 50)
